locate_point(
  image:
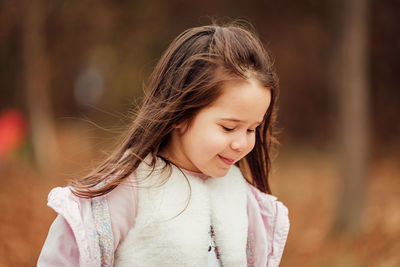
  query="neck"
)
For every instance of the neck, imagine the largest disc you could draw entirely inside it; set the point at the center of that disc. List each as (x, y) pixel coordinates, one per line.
(198, 174)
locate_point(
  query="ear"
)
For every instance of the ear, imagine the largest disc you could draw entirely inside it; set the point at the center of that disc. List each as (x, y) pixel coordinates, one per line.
(181, 127)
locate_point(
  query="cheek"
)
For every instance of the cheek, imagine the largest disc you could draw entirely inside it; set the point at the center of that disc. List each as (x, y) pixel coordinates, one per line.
(212, 142)
(215, 143)
(204, 142)
(251, 144)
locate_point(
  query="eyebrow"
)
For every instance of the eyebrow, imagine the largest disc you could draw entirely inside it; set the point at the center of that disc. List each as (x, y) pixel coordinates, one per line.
(237, 120)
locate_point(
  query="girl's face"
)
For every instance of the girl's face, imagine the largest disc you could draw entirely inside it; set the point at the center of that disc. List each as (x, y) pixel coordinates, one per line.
(221, 133)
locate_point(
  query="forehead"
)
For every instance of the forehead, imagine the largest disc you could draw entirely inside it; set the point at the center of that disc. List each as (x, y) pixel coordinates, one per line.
(242, 100)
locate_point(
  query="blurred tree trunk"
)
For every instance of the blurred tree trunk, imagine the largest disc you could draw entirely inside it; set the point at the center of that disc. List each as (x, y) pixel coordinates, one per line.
(350, 81)
(36, 82)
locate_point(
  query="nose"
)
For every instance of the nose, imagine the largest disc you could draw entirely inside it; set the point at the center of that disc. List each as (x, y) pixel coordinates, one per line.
(240, 143)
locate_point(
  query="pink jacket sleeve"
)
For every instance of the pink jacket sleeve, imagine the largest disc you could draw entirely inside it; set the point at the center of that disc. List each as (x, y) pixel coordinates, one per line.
(268, 228)
(71, 240)
(60, 247)
(75, 224)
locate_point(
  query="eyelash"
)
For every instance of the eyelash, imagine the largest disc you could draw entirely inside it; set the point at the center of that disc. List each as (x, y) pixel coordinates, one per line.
(226, 129)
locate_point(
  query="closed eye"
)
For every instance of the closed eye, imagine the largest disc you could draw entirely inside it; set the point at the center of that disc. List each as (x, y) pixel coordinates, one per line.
(227, 129)
(252, 130)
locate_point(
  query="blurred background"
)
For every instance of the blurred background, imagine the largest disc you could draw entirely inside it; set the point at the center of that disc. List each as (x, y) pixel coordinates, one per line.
(71, 72)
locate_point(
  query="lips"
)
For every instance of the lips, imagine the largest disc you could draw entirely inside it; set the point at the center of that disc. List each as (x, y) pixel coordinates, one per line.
(227, 161)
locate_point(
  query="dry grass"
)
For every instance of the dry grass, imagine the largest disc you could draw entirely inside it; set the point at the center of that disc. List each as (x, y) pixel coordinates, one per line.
(308, 184)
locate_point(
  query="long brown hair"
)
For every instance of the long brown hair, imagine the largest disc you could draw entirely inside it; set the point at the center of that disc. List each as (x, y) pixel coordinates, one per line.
(189, 77)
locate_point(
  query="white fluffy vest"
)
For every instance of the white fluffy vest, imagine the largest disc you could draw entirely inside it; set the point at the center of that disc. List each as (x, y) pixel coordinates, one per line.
(173, 220)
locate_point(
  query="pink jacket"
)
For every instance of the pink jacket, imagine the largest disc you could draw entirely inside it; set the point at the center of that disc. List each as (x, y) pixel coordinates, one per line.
(73, 238)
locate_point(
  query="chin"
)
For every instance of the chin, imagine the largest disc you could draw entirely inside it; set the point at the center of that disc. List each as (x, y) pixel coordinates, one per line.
(220, 173)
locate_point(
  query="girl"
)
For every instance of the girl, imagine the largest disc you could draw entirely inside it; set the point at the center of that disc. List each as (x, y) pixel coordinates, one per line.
(189, 184)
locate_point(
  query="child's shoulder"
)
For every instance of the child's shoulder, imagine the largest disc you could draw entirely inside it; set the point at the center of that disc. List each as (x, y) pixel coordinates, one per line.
(122, 206)
(259, 196)
(118, 207)
(62, 199)
(269, 216)
(65, 203)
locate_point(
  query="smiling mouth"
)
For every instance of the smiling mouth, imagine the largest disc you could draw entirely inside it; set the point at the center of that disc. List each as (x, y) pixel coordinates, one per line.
(227, 161)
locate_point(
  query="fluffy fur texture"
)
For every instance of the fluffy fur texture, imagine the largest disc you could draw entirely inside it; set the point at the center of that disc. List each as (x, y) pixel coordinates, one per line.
(229, 217)
(167, 234)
